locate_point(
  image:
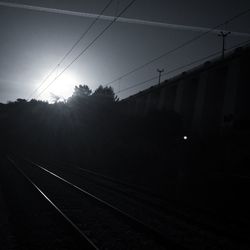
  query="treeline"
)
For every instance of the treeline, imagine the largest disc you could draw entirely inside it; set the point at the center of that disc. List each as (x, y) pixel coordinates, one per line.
(38, 126)
(89, 128)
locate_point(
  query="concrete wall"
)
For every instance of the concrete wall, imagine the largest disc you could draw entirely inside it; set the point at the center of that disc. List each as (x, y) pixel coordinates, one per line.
(169, 97)
(187, 106)
(209, 98)
(242, 102)
(214, 98)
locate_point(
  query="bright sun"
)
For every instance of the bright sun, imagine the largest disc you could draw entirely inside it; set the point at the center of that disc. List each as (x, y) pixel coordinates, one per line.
(63, 87)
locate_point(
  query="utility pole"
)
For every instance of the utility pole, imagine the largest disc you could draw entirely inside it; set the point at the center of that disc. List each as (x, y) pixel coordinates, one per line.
(160, 71)
(224, 35)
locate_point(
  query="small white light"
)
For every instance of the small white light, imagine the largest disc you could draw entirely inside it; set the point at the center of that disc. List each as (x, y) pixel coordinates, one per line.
(185, 137)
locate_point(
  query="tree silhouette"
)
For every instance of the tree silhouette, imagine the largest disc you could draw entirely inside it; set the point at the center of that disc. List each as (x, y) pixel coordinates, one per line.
(82, 91)
(80, 96)
(106, 93)
(20, 100)
(55, 98)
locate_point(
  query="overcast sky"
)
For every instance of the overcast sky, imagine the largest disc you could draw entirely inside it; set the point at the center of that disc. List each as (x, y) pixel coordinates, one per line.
(33, 42)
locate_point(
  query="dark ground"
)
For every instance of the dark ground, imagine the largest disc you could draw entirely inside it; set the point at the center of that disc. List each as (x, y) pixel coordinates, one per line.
(210, 175)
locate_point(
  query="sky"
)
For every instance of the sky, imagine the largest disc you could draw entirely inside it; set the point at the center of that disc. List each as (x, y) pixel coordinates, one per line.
(33, 42)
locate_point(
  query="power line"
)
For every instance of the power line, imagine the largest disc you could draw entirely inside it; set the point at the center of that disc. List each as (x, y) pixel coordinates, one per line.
(178, 47)
(182, 67)
(72, 48)
(95, 39)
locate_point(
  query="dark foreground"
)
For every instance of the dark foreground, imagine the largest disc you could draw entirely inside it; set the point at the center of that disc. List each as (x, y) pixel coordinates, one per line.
(128, 182)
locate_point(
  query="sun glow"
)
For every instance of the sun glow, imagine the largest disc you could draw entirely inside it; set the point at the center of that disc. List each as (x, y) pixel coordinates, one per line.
(62, 88)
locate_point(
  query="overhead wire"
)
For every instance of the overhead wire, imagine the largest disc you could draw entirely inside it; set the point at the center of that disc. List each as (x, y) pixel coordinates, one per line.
(195, 38)
(90, 44)
(72, 48)
(182, 67)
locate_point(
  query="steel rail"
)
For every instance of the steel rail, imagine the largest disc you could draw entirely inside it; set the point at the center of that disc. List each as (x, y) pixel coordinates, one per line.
(157, 235)
(139, 188)
(219, 229)
(162, 205)
(76, 229)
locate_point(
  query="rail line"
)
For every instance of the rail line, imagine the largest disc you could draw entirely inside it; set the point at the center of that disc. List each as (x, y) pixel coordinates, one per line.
(141, 193)
(190, 222)
(140, 189)
(138, 193)
(138, 226)
(87, 243)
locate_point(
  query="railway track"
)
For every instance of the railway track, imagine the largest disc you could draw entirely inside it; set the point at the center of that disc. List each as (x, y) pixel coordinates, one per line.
(176, 226)
(107, 226)
(36, 221)
(206, 219)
